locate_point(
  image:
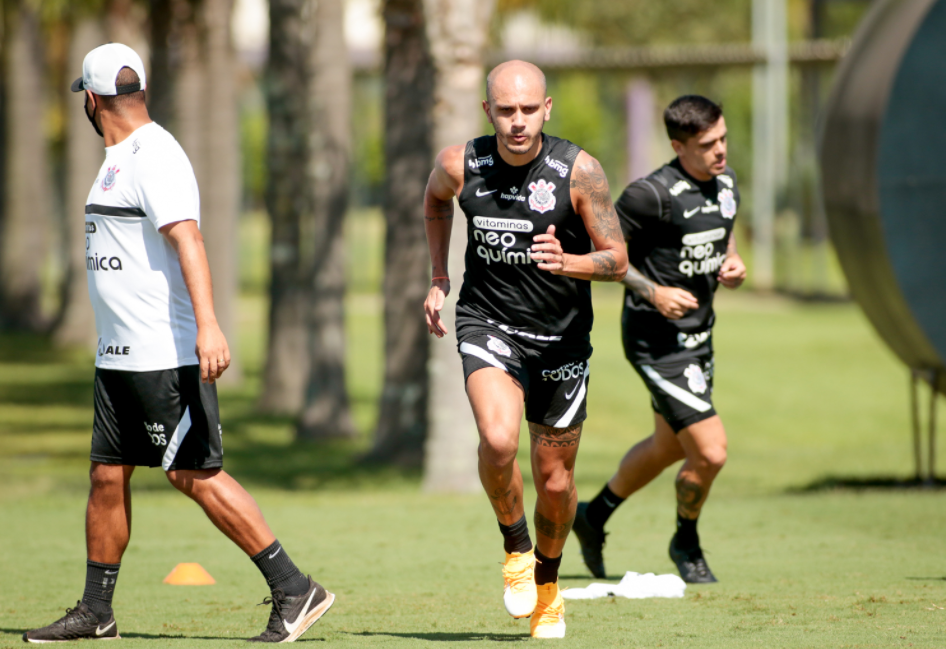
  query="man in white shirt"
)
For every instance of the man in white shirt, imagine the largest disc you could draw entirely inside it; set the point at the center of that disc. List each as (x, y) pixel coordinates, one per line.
(160, 350)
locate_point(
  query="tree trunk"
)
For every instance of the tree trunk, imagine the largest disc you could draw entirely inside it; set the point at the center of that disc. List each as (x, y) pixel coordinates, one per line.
(162, 72)
(458, 31)
(287, 201)
(26, 206)
(220, 192)
(84, 155)
(408, 72)
(326, 412)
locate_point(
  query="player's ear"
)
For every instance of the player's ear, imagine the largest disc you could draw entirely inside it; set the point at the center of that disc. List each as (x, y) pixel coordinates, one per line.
(548, 108)
(678, 147)
(486, 110)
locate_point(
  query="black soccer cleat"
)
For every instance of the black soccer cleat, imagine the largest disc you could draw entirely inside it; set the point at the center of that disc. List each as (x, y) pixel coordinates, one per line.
(79, 623)
(292, 616)
(591, 541)
(691, 564)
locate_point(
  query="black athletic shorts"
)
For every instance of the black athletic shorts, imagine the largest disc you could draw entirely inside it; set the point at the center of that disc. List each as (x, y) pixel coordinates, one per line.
(166, 418)
(682, 389)
(555, 381)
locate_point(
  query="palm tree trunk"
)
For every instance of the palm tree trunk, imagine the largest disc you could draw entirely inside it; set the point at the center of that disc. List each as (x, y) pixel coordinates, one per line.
(458, 31)
(408, 73)
(26, 207)
(220, 193)
(287, 201)
(326, 411)
(84, 155)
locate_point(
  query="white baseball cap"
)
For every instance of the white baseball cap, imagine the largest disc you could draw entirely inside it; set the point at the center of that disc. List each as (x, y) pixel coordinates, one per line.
(101, 67)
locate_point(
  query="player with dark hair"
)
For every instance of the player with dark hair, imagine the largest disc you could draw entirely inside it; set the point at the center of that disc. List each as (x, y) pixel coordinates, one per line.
(678, 222)
(534, 204)
(160, 350)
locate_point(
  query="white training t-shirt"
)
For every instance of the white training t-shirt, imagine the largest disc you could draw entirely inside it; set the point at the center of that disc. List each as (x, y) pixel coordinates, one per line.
(143, 312)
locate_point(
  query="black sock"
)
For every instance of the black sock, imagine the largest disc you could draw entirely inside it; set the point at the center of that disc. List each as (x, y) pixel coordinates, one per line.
(687, 538)
(546, 569)
(100, 581)
(600, 509)
(280, 572)
(516, 536)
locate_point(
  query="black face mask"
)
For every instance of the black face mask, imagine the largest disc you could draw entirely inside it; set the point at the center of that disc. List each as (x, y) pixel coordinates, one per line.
(92, 118)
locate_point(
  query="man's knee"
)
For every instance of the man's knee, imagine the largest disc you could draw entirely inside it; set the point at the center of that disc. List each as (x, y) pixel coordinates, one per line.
(557, 487)
(107, 477)
(497, 448)
(713, 458)
(186, 481)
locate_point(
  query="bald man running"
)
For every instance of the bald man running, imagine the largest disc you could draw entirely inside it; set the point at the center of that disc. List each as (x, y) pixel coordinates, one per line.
(536, 207)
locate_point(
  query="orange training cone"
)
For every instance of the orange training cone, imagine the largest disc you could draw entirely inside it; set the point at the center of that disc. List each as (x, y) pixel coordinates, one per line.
(189, 574)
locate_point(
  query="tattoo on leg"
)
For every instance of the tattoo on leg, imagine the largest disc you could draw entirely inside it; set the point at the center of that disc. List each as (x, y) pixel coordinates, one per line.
(555, 437)
(552, 529)
(689, 498)
(502, 502)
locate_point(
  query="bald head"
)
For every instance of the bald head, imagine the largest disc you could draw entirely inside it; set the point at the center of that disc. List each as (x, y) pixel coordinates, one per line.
(514, 76)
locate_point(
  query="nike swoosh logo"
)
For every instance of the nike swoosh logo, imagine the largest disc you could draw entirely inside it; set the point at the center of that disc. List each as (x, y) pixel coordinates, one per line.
(291, 627)
(580, 380)
(276, 552)
(688, 213)
(111, 572)
(608, 502)
(478, 193)
(100, 631)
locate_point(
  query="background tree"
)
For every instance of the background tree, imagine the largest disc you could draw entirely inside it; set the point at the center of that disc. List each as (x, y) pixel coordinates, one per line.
(287, 158)
(326, 411)
(24, 231)
(458, 31)
(84, 156)
(408, 152)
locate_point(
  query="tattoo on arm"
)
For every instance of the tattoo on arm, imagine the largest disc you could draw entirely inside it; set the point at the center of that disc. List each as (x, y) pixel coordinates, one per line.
(590, 181)
(635, 281)
(605, 266)
(554, 437)
(552, 529)
(689, 498)
(731, 248)
(438, 210)
(503, 501)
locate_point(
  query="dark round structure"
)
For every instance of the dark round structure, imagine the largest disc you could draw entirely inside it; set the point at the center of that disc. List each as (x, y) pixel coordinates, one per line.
(883, 162)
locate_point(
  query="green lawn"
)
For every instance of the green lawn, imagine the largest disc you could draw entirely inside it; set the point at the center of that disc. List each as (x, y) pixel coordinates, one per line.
(807, 393)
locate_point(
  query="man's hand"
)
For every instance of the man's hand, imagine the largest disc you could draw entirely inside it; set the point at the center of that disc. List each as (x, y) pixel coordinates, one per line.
(439, 290)
(213, 352)
(673, 303)
(733, 271)
(547, 250)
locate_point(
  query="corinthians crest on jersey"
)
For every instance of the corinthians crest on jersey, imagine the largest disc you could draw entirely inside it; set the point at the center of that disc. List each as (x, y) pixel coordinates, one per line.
(542, 198)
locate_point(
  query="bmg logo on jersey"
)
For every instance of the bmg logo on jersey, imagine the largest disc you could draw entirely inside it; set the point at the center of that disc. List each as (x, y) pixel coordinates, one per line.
(156, 433)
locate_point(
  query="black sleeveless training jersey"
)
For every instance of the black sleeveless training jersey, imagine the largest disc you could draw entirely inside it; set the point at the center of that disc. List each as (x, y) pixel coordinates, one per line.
(505, 207)
(678, 231)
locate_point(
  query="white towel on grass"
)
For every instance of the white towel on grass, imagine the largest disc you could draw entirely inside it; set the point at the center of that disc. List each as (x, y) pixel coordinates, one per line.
(633, 586)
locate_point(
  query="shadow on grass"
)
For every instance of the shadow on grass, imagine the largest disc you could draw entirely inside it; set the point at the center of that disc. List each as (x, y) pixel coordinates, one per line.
(64, 392)
(841, 483)
(448, 636)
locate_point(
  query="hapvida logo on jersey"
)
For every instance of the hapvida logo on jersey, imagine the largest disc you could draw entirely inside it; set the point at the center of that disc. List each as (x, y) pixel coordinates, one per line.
(102, 263)
(513, 195)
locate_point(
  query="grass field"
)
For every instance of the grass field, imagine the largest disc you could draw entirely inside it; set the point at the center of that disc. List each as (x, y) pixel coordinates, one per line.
(807, 392)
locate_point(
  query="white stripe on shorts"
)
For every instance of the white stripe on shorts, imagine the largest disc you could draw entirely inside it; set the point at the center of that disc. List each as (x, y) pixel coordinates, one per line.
(566, 419)
(676, 391)
(479, 352)
(179, 434)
